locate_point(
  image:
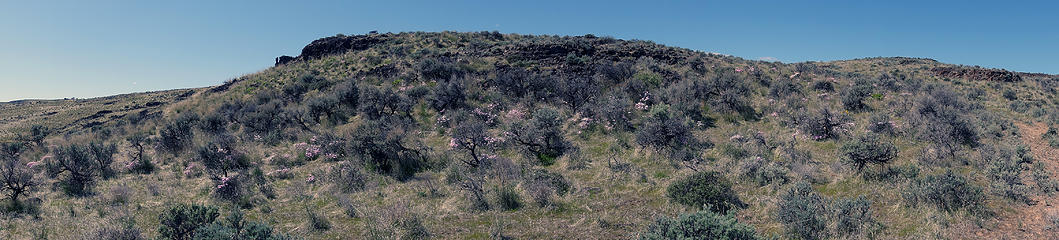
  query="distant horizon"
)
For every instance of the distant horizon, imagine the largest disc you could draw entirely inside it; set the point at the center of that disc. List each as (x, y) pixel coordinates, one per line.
(56, 50)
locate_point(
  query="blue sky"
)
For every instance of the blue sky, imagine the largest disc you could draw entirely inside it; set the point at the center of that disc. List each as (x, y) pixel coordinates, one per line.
(57, 49)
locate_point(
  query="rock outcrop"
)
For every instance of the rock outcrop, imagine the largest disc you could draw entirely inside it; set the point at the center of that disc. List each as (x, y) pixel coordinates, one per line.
(337, 44)
(977, 74)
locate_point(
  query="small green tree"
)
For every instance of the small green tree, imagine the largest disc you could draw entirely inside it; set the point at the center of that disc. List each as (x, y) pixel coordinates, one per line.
(541, 135)
(868, 149)
(139, 162)
(16, 178)
(81, 165)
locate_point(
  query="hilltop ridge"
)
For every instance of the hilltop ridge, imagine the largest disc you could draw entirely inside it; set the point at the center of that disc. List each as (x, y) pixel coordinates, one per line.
(487, 135)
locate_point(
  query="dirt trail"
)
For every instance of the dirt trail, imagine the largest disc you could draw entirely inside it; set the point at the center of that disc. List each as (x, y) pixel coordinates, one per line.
(1032, 221)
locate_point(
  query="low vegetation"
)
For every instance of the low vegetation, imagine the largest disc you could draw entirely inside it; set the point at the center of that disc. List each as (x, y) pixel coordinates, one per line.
(487, 135)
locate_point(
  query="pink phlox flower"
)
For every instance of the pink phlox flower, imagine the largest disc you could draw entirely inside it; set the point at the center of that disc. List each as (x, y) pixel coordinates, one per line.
(453, 143)
(492, 140)
(514, 114)
(312, 151)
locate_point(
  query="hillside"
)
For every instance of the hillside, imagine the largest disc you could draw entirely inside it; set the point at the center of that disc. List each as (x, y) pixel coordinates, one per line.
(72, 115)
(487, 135)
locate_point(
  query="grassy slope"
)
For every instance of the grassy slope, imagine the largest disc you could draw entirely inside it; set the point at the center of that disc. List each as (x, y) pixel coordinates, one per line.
(604, 203)
(76, 114)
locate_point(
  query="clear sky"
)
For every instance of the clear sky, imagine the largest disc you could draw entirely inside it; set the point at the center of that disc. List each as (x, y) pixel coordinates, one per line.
(57, 49)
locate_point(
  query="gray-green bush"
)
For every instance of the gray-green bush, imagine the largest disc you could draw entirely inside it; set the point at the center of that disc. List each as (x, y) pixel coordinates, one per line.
(703, 225)
(705, 190)
(803, 212)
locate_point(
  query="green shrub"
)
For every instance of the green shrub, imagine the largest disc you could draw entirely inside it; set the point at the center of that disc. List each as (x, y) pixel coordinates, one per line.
(412, 228)
(803, 212)
(881, 123)
(1005, 172)
(822, 124)
(180, 222)
(948, 191)
(349, 177)
(385, 147)
(541, 136)
(177, 134)
(80, 165)
(139, 163)
(542, 185)
(708, 190)
(867, 149)
(1043, 178)
(508, 198)
(1010, 95)
(127, 232)
(236, 227)
(853, 98)
(824, 86)
(37, 134)
(700, 225)
(316, 221)
(669, 133)
(763, 172)
(221, 157)
(16, 177)
(853, 216)
(1052, 136)
(449, 95)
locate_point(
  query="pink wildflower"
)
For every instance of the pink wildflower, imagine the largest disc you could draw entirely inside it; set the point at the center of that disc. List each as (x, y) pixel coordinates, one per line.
(514, 114)
(312, 151)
